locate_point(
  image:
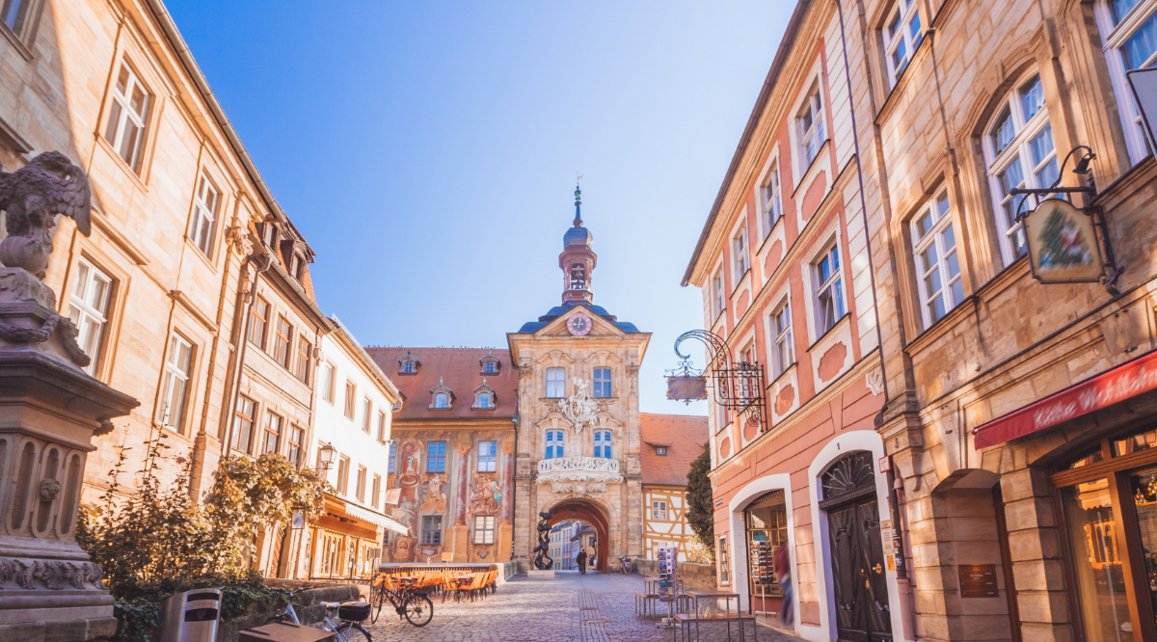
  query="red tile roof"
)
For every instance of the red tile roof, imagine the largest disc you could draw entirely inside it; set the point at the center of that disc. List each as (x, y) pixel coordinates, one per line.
(684, 437)
(460, 370)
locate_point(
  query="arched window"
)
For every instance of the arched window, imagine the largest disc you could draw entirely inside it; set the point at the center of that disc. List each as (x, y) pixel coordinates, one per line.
(555, 383)
(554, 448)
(603, 444)
(1019, 152)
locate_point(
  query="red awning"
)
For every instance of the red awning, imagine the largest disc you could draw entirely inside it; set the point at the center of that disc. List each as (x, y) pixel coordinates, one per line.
(1120, 383)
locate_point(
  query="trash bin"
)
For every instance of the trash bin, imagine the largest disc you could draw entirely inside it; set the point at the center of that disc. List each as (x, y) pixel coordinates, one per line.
(285, 632)
(191, 616)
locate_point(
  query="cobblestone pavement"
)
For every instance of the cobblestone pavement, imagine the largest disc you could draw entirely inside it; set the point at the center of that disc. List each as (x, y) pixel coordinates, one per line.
(569, 608)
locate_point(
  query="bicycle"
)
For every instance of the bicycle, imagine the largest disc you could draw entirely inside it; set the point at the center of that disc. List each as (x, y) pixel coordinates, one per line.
(350, 616)
(409, 602)
(624, 565)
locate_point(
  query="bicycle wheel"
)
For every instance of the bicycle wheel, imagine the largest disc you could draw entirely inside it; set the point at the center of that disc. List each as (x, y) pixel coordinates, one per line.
(419, 609)
(353, 632)
(376, 602)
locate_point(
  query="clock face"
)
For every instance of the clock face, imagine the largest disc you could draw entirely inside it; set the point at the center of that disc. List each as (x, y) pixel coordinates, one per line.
(579, 325)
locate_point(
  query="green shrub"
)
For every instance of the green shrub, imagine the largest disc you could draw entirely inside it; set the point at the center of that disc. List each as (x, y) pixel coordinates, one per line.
(157, 541)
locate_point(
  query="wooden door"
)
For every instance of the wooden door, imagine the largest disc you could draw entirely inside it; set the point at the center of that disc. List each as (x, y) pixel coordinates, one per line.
(860, 587)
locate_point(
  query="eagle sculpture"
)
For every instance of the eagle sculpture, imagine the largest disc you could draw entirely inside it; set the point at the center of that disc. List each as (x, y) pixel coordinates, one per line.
(31, 197)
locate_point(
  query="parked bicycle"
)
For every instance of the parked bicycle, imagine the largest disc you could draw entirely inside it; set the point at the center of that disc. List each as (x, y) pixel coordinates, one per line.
(347, 626)
(624, 565)
(408, 601)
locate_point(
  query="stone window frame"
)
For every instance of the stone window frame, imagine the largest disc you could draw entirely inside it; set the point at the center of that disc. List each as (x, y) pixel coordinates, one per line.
(903, 15)
(302, 368)
(349, 407)
(740, 250)
(487, 463)
(610, 382)
(368, 412)
(656, 515)
(437, 453)
(329, 381)
(780, 341)
(271, 429)
(833, 239)
(1016, 152)
(119, 109)
(241, 416)
(1118, 30)
(413, 362)
(382, 418)
(431, 530)
(295, 452)
(484, 389)
(769, 203)
(360, 483)
(202, 234)
(171, 373)
(555, 439)
(283, 341)
(602, 448)
(718, 292)
(441, 389)
(942, 220)
(376, 492)
(86, 313)
(23, 35)
(547, 382)
(343, 474)
(811, 102)
(265, 319)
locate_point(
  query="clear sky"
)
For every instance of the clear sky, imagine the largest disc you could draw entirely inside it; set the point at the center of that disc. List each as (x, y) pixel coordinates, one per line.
(427, 150)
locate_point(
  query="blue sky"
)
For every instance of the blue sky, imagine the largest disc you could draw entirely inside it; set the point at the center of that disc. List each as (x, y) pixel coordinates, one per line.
(428, 150)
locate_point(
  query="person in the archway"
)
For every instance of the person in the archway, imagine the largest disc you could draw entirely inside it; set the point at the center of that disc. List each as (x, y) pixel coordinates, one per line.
(581, 558)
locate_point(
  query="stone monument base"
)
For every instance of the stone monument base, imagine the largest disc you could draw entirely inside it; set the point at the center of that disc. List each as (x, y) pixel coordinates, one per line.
(540, 575)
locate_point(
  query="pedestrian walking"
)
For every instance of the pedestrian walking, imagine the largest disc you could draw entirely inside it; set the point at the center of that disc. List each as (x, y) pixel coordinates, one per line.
(783, 572)
(581, 558)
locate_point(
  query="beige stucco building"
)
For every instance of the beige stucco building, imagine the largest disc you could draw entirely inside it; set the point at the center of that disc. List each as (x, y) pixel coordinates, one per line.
(578, 414)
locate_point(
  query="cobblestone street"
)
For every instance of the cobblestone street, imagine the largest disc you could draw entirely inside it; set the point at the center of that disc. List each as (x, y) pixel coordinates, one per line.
(570, 608)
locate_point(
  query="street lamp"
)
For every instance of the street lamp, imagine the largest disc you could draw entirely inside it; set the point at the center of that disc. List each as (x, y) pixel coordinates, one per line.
(325, 456)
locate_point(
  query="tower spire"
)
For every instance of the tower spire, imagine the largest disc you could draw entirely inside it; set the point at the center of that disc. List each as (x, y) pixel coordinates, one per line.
(578, 203)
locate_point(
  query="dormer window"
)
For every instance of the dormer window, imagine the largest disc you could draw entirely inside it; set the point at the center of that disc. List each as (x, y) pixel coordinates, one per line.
(484, 397)
(661, 451)
(408, 365)
(442, 396)
(269, 233)
(490, 364)
(295, 266)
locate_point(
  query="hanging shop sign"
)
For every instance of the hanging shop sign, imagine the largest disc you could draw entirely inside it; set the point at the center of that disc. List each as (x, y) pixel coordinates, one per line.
(686, 388)
(1120, 383)
(1062, 244)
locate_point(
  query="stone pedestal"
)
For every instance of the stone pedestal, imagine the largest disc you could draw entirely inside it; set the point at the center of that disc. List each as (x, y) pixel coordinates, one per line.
(540, 575)
(50, 410)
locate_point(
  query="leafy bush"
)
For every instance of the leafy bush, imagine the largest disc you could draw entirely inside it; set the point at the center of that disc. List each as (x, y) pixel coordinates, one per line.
(158, 541)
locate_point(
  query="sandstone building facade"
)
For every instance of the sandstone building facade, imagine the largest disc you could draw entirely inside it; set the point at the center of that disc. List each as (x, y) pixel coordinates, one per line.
(998, 429)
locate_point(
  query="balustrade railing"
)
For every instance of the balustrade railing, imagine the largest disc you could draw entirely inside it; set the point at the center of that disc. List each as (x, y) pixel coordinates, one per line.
(585, 464)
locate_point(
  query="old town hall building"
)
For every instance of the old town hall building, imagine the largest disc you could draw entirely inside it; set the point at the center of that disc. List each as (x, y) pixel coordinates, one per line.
(487, 439)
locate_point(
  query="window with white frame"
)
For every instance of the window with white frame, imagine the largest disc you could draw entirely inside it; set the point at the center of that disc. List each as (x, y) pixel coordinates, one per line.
(201, 225)
(555, 383)
(88, 309)
(603, 444)
(739, 252)
(829, 297)
(809, 123)
(659, 510)
(441, 400)
(937, 262)
(602, 383)
(554, 445)
(1020, 152)
(902, 33)
(718, 294)
(1129, 28)
(483, 400)
(771, 203)
(176, 383)
(360, 484)
(367, 414)
(782, 348)
(327, 381)
(381, 427)
(125, 129)
(487, 456)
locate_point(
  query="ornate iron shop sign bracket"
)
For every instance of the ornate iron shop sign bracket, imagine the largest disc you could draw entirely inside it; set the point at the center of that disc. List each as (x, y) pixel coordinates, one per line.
(737, 385)
(1067, 244)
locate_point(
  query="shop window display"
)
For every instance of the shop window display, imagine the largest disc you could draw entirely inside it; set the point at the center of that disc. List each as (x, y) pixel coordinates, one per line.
(766, 521)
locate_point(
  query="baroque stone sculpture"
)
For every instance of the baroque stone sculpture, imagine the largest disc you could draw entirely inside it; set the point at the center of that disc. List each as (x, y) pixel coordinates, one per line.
(50, 410)
(542, 559)
(32, 196)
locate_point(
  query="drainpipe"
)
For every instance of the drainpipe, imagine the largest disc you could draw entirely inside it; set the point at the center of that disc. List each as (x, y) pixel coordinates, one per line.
(904, 582)
(247, 298)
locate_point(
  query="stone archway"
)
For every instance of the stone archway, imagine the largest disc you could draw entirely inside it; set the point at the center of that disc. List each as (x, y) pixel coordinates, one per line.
(586, 511)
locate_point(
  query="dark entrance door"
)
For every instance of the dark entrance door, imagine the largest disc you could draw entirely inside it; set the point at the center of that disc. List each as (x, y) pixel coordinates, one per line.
(860, 584)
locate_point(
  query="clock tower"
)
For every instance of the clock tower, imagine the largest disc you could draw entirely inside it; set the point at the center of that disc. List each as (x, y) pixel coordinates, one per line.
(578, 447)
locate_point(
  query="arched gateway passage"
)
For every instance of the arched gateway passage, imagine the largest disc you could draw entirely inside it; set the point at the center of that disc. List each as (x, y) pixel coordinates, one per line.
(586, 511)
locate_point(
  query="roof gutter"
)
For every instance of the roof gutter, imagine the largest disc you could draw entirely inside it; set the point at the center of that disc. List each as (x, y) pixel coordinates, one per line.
(777, 64)
(178, 45)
